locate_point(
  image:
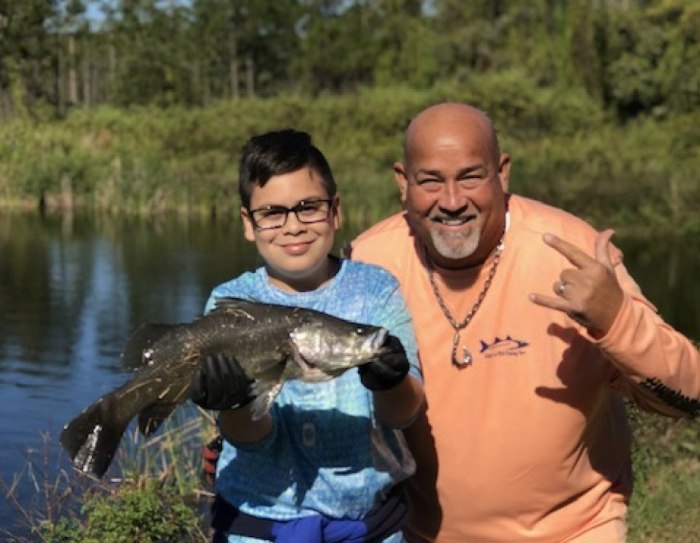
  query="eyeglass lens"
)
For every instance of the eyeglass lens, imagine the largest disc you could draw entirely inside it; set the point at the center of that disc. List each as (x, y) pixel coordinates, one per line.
(306, 212)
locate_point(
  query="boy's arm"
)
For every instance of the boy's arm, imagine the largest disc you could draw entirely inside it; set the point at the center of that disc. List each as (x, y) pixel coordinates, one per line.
(398, 406)
(238, 427)
(399, 398)
(221, 385)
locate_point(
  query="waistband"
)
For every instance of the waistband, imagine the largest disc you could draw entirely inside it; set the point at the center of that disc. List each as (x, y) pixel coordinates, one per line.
(385, 520)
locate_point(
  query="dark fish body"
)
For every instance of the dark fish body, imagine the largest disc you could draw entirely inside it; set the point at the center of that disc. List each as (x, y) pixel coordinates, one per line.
(272, 343)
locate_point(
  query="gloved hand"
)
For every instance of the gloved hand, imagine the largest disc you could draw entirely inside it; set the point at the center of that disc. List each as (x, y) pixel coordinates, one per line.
(220, 383)
(388, 369)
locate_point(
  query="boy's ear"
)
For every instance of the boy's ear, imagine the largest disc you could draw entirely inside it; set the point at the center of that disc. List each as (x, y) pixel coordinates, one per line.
(248, 230)
(337, 213)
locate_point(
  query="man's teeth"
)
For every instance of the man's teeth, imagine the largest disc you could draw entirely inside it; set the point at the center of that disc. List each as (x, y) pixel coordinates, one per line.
(453, 222)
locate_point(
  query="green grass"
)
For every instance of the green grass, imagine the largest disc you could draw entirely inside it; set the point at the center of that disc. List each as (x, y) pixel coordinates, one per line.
(667, 507)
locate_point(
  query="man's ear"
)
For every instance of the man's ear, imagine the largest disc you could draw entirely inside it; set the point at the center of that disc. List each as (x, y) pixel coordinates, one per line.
(504, 171)
(337, 214)
(401, 180)
(248, 229)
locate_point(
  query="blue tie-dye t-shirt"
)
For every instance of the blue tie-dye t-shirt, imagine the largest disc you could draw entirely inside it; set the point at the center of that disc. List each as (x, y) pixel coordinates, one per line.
(326, 453)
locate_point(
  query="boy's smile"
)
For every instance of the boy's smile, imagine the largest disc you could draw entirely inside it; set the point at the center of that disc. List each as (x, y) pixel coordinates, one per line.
(295, 249)
(296, 253)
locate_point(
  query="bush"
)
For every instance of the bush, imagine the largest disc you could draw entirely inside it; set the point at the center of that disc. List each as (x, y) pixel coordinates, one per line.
(151, 514)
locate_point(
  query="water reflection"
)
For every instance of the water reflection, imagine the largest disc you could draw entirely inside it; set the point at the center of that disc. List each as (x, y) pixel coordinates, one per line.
(67, 288)
(71, 291)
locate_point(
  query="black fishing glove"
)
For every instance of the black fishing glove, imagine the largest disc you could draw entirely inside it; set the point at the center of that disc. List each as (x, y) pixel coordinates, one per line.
(388, 369)
(220, 383)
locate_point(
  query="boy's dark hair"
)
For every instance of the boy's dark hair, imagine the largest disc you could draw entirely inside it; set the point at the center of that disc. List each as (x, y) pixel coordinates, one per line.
(277, 153)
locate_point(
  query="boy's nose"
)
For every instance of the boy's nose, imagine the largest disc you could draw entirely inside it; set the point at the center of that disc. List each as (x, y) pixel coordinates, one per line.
(293, 223)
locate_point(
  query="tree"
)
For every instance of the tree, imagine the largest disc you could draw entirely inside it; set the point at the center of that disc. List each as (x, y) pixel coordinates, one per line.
(339, 45)
(408, 53)
(27, 65)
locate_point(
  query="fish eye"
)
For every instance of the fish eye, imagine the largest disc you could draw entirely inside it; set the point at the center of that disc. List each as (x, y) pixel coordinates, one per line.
(361, 331)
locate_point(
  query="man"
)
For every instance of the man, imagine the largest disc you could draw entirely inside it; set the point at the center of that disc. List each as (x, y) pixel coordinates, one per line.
(530, 333)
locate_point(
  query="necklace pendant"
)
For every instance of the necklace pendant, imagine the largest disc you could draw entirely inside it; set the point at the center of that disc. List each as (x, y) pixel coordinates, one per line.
(466, 361)
(467, 358)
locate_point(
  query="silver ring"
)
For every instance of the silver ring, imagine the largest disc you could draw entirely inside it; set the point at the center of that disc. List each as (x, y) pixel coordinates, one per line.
(561, 287)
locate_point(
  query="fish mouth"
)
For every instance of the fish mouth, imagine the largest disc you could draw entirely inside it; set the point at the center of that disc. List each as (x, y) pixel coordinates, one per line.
(376, 341)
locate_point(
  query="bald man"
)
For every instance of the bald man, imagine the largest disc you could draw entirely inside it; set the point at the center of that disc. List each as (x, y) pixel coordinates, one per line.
(531, 333)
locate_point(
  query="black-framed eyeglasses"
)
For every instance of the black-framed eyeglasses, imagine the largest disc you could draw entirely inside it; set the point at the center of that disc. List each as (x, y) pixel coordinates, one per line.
(306, 211)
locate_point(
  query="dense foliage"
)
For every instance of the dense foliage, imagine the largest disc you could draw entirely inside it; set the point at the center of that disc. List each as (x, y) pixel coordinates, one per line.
(565, 149)
(143, 105)
(130, 514)
(631, 56)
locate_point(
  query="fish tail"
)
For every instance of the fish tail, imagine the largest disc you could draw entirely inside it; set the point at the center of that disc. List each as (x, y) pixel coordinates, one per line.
(91, 439)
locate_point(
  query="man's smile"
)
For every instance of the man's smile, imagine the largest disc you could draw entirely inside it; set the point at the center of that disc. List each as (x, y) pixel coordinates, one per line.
(452, 221)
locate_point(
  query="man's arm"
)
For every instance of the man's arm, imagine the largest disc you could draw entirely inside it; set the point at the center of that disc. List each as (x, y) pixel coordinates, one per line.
(659, 367)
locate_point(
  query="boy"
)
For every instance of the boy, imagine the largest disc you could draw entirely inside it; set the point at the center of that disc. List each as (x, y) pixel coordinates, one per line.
(321, 465)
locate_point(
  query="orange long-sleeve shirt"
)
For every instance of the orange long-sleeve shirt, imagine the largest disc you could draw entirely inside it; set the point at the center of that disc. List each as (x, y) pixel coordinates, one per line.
(529, 443)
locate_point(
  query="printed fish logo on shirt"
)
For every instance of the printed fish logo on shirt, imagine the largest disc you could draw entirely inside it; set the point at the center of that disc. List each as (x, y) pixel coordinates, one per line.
(507, 346)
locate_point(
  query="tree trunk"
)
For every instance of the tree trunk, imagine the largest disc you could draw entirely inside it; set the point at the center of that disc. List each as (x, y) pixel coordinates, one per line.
(206, 90)
(195, 81)
(72, 73)
(233, 79)
(112, 70)
(249, 77)
(87, 78)
(5, 103)
(60, 80)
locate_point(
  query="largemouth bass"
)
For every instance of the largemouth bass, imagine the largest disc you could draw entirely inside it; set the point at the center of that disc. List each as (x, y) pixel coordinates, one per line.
(272, 343)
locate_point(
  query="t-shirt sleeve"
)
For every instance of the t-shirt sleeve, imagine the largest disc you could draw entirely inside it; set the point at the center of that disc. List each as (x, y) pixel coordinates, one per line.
(659, 367)
(393, 315)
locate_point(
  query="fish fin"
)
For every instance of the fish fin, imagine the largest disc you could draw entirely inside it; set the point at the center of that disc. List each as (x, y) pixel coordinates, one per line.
(239, 306)
(152, 417)
(265, 393)
(142, 338)
(224, 302)
(92, 438)
(299, 368)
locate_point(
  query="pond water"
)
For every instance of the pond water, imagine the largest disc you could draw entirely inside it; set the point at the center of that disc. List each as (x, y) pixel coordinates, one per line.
(72, 289)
